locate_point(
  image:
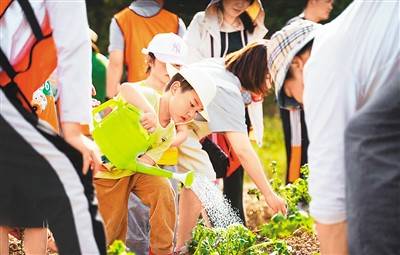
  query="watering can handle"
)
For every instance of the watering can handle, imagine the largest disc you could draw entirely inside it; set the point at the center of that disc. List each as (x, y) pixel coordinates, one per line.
(110, 103)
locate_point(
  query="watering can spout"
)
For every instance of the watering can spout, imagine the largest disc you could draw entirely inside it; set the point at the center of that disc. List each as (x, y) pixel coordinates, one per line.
(185, 178)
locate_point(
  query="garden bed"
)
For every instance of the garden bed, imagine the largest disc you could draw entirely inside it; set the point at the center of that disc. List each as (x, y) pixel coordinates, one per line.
(265, 233)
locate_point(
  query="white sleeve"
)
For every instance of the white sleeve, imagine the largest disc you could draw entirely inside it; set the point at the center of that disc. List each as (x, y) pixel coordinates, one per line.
(181, 28)
(71, 35)
(193, 39)
(329, 101)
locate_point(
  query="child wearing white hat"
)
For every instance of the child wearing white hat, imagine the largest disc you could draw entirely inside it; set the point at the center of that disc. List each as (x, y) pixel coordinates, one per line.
(188, 92)
(164, 48)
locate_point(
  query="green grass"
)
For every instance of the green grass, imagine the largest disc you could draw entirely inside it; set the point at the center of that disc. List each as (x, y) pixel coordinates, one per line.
(273, 147)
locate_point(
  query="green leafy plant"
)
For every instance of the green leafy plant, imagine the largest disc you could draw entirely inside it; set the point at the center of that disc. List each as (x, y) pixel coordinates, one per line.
(272, 247)
(276, 182)
(280, 247)
(118, 248)
(238, 240)
(294, 193)
(234, 240)
(282, 227)
(254, 192)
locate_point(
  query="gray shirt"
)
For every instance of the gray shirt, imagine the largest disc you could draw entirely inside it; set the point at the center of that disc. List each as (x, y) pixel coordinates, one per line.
(227, 111)
(146, 8)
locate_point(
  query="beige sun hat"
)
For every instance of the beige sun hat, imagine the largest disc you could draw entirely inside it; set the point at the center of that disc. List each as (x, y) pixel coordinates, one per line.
(282, 48)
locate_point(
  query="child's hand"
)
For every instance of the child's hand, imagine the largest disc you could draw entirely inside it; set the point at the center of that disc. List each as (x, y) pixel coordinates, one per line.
(182, 132)
(149, 121)
(146, 160)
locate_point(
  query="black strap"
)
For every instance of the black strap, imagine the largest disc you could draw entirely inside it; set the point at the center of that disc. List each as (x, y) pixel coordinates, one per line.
(245, 37)
(223, 43)
(212, 45)
(5, 64)
(13, 90)
(30, 16)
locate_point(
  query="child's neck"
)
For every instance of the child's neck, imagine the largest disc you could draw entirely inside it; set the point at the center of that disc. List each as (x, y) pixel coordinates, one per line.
(163, 112)
(309, 15)
(155, 84)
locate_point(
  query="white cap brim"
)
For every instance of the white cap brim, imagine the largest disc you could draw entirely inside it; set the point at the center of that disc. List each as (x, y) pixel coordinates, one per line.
(165, 58)
(205, 100)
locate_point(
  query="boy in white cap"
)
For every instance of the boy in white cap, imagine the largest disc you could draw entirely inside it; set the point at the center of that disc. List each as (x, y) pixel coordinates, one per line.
(342, 69)
(187, 93)
(164, 48)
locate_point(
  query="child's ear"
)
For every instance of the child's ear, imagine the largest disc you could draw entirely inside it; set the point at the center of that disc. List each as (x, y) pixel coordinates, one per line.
(150, 61)
(175, 87)
(297, 64)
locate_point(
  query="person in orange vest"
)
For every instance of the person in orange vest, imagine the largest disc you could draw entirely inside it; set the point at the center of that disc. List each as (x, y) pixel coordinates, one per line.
(131, 30)
(45, 177)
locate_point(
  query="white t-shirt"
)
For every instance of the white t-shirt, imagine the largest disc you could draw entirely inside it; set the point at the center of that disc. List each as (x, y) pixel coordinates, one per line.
(351, 58)
(226, 111)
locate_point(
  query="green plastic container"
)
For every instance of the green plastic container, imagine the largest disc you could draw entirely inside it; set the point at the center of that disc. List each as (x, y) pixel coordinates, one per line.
(121, 138)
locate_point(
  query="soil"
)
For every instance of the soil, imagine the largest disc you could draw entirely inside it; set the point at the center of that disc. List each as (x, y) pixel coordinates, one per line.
(257, 213)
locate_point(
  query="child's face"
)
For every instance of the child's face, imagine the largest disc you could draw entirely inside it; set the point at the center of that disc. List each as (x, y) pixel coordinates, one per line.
(159, 71)
(183, 106)
(322, 8)
(294, 86)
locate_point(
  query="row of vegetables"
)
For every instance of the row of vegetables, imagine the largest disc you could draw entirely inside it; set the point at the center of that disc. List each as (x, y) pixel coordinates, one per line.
(269, 238)
(274, 237)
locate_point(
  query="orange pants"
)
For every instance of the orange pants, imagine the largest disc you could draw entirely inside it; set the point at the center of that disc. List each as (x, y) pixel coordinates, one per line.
(155, 192)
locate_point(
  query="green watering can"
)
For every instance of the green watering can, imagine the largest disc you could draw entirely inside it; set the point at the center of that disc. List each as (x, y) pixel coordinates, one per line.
(121, 138)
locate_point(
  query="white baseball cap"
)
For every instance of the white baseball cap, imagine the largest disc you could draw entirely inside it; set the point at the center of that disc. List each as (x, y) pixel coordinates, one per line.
(201, 82)
(168, 48)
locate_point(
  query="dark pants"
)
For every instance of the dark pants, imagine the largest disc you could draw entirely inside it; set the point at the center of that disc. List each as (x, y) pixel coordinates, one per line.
(372, 151)
(42, 181)
(233, 190)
